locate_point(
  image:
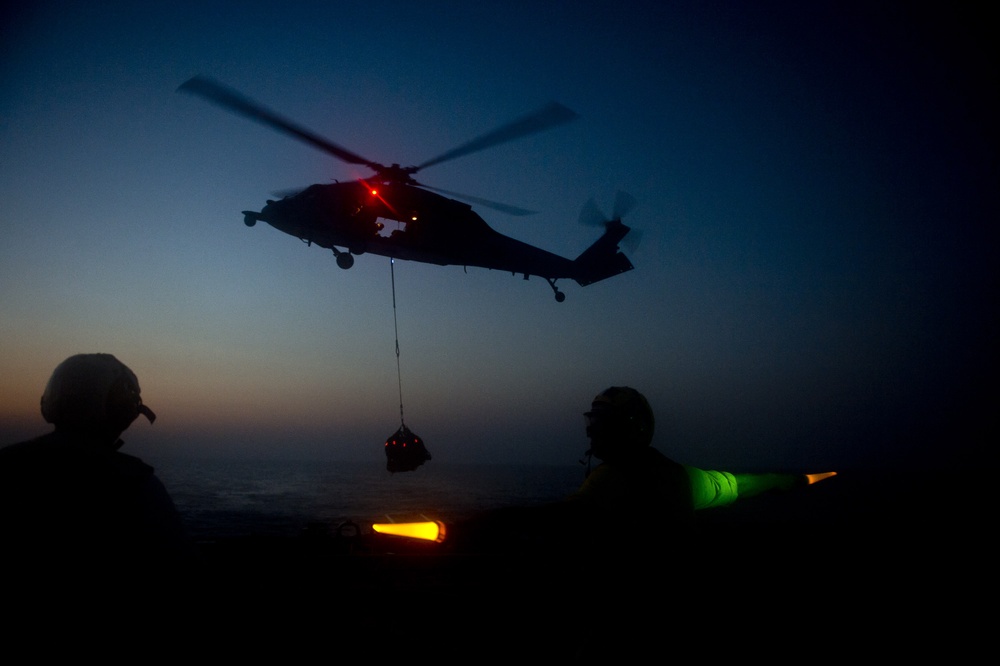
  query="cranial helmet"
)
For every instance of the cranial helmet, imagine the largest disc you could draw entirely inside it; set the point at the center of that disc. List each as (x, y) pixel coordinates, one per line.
(625, 413)
(93, 392)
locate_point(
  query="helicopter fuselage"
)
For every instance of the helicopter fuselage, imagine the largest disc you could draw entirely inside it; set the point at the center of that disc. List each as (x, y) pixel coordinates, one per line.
(428, 227)
(404, 222)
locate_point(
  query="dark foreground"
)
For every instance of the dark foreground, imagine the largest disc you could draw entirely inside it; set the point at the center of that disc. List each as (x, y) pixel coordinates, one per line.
(849, 567)
(847, 535)
(837, 584)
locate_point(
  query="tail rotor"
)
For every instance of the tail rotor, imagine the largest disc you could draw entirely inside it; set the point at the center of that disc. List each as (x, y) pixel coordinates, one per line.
(592, 216)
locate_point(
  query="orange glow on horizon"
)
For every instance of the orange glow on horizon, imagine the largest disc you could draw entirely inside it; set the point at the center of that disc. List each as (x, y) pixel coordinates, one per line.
(816, 478)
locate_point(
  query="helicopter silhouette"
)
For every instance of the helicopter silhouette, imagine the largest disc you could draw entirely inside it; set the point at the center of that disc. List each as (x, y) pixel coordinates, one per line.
(432, 228)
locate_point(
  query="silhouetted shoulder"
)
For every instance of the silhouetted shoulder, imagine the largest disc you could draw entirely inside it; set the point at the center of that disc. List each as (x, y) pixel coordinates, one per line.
(54, 455)
(645, 487)
(55, 495)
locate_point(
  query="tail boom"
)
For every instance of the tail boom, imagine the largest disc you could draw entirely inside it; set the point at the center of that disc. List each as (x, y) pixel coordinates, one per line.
(603, 259)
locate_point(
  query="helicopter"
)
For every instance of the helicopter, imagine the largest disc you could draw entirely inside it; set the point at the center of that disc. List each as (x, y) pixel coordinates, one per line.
(431, 226)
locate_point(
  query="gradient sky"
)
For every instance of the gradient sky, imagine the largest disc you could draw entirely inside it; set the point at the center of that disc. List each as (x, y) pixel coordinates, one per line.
(816, 191)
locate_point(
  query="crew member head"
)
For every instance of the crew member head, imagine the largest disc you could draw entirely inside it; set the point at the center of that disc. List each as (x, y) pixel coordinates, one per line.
(95, 396)
(619, 423)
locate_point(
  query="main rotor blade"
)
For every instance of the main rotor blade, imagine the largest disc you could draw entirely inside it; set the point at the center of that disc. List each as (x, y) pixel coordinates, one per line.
(504, 208)
(228, 98)
(552, 115)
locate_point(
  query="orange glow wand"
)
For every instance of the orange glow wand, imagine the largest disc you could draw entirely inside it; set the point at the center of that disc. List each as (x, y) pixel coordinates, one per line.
(430, 530)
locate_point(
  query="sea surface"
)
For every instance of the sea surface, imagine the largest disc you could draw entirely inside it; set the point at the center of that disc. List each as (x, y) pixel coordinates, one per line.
(221, 499)
(839, 541)
(233, 498)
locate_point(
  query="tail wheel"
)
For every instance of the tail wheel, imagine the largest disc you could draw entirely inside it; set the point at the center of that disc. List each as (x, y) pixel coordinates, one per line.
(345, 260)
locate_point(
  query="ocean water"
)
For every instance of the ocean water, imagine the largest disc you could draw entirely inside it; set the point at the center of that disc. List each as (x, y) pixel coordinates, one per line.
(222, 499)
(844, 537)
(840, 549)
(237, 498)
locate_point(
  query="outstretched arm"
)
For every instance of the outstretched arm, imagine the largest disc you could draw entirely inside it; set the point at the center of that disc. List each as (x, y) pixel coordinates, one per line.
(755, 484)
(749, 485)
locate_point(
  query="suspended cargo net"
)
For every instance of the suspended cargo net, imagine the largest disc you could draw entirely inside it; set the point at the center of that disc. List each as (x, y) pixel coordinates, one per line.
(404, 451)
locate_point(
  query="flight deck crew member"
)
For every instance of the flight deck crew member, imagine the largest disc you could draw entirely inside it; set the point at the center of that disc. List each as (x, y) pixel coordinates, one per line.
(71, 492)
(638, 487)
(636, 498)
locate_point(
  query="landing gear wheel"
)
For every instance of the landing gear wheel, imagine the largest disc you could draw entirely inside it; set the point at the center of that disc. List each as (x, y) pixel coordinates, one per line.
(345, 260)
(249, 218)
(560, 297)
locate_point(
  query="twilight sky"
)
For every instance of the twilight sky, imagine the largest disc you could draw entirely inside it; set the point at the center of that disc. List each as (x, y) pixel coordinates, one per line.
(816, 188)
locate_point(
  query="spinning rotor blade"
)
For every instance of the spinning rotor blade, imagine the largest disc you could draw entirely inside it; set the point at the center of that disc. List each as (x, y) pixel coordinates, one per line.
(495, 205)
(632, 240)
(221, 95)
(624, 202)
(225, 97)
(552, 115)
(593, 216)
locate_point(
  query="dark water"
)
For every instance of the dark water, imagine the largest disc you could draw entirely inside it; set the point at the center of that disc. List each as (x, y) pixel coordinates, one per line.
(851, 542)
(227, 498)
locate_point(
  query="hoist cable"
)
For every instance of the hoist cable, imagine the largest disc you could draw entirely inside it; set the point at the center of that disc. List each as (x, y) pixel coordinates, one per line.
(395, 324)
